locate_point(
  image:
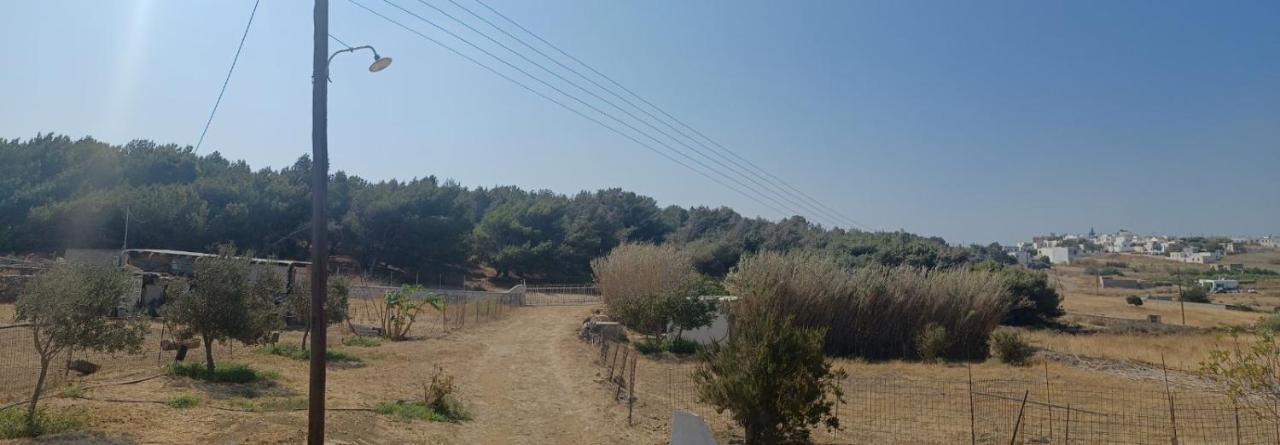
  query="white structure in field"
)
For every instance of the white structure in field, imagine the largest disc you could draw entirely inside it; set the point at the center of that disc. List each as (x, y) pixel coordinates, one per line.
(1058, 255)
(1190, 256)
(1220, 285)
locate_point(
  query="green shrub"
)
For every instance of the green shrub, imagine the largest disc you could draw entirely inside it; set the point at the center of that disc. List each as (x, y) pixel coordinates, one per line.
(648, 346)
(1116, 264)
(648, 287)
(438, 403)
(361, 341)
(682, 347)
(14, 425)
(1010, 347)
(1134, 300)
(932, 343)
(222, 373)
(1194, 294)
(1032, 300)
(772, 376)
(183, 402)
(296, 353)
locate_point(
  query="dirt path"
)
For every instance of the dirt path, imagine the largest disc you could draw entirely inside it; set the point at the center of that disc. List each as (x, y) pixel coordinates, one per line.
(525, 379)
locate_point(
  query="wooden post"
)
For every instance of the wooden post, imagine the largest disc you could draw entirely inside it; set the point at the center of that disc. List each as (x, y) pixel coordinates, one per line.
(613, 362)
(1173, 417)
(1018, 423)
(1066, 440)
(444, 314)
(1236, 407)
(1048, 398)
(973, 433)
(631, 398)
(626, 353)
(462, 321)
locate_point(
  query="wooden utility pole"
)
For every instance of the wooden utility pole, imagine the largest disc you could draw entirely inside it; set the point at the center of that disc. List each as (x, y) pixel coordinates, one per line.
(319, 218)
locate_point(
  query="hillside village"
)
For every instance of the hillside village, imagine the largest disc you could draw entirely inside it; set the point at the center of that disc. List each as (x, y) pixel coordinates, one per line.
(1066, 248)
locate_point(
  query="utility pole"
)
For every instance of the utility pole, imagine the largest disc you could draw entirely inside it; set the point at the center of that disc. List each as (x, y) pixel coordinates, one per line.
(319, 219)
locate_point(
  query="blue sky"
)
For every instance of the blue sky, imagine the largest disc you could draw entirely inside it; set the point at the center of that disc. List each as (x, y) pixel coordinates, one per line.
(976, 121)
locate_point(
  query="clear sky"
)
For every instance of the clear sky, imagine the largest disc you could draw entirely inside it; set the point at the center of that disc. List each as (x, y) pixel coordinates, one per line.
(976, 121)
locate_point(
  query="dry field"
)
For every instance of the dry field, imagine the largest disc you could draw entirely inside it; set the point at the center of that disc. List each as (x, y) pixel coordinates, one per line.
(522, 377)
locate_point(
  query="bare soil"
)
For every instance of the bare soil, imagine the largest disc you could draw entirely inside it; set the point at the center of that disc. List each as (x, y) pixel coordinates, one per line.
(524, 379)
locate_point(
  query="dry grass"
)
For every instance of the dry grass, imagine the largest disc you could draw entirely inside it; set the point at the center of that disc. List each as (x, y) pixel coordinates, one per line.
(1113, 305)
(875, 312)
(640, 271)
(1179, 351)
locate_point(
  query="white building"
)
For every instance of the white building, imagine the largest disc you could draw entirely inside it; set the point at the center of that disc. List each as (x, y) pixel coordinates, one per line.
(1188, 256)
(1058, 255)
(1220, 285)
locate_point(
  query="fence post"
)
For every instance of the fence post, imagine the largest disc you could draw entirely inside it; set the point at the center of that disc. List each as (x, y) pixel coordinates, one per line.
(444, 314)
(1236, 408)
(622, 374)
(1173, 417)
(1018, 423)
(613, 362)
(1066, 440)
(631, 396)
(1048, 398)
(973, 433)
(462, 321)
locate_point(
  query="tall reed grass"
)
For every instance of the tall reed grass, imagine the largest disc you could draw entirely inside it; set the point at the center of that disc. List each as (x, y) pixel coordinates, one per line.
(643, 271)
(875, 312)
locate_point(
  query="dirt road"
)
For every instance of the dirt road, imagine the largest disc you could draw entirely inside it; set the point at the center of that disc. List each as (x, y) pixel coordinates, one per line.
(525, 380)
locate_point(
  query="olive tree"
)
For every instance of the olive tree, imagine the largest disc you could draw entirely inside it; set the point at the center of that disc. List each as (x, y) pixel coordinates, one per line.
(68, 306)
(335, 306)
(224, 301)
(772, 376)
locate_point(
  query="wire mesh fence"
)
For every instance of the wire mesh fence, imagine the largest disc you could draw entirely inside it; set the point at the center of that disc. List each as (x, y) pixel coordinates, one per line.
(456, 309)
(987, 411)
(562, 295)
(20, 363)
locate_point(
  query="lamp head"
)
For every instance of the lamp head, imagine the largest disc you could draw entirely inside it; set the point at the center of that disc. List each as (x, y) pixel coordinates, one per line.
(379, 63)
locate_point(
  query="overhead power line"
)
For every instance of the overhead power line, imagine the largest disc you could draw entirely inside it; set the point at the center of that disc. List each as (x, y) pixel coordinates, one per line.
(227, 80)
(553, 100)
(785, 203)
(776, 180)
(750, 175)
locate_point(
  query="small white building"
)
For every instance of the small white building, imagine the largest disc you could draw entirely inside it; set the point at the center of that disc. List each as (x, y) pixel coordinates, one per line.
(1220, 285)
(1058, 255)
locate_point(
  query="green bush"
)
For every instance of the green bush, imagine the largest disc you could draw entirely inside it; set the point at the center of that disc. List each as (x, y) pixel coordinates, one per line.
(361, 341)
(772, 376)
(438, 403)
(14, 425)
(1194, 294)
(1032, 300)
(932, 343)
(296, 353)
(222, 373)
(648, 346)
(681, 346)
(1010, 347)
(1134, 300)
(183, 402)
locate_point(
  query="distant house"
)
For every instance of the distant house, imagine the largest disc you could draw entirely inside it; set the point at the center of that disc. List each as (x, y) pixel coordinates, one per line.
(1059, 255)
(1270, 241)
(1021, 256)
(1190, 256)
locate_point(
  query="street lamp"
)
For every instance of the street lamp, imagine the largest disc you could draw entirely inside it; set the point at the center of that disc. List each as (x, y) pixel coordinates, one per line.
(319, 210)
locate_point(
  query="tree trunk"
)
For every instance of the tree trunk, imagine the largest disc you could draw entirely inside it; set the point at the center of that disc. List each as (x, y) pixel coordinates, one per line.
(35, 395)
(305, 333)
(208, 354)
